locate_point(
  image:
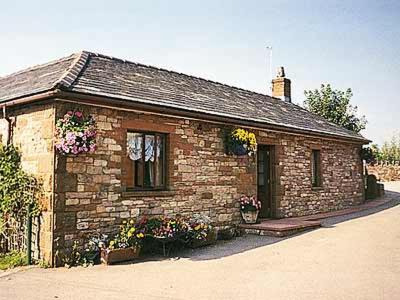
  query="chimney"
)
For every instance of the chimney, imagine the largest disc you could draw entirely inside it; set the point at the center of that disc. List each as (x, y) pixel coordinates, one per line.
(281, 86)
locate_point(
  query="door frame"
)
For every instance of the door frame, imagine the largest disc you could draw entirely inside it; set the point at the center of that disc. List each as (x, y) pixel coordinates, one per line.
(272, 177)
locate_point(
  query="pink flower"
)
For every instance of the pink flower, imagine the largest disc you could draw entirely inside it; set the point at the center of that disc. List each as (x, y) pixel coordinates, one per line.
(78, 114)
(92, 148)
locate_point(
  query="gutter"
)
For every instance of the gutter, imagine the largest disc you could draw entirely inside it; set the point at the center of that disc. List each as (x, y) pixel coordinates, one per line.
(116, 103)
(21, 101)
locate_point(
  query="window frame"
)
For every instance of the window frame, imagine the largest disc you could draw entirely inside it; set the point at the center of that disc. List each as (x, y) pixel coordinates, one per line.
(316, 169)
(165, 176)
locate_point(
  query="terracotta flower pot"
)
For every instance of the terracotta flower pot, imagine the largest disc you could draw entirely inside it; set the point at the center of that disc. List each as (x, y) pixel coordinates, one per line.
(250, 216)
(119, 255)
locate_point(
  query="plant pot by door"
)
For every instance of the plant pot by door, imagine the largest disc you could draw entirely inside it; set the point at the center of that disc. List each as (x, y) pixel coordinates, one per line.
(250, 216)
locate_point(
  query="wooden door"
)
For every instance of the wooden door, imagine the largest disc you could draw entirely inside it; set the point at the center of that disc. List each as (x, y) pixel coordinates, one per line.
(264, 176)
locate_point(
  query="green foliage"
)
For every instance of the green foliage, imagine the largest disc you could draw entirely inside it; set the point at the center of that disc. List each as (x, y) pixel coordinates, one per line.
(370, 153)
(72, 256)
(43, 264)
(18, 190)
(334, 105)
(89, 255)
(390, 150)
(12, 260)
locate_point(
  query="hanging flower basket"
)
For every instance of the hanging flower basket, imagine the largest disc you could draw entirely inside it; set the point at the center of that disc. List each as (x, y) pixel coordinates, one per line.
(75, 134)
(241, 142)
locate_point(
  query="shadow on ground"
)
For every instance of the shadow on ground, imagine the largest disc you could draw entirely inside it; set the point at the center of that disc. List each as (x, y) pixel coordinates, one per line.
(339, 219)
(248, 242)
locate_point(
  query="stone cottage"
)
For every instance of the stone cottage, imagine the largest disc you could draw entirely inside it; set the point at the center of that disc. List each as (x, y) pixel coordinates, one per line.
(175, 122)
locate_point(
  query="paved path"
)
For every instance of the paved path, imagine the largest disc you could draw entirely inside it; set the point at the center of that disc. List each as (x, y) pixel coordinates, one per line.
(353, 257)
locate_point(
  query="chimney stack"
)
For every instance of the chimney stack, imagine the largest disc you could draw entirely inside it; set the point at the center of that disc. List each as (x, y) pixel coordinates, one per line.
(281, 86)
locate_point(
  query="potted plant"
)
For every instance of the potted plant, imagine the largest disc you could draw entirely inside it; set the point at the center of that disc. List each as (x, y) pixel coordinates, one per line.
(168, 231)
(249, 208)
(92, 251)
(241, 142)
(126, 244)
(200, 233)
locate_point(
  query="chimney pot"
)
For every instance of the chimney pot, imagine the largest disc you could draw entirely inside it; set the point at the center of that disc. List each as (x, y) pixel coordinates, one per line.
(281, 86)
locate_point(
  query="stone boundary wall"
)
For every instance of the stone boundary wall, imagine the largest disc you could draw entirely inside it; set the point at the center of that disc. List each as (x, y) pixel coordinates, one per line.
(385, 172)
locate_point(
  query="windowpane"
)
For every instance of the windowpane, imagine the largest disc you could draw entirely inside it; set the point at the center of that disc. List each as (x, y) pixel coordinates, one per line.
(135, 154)
(261, 167)
(159, 161)
(146, 154)
(316, 168)
(149, 161)
(260, 179)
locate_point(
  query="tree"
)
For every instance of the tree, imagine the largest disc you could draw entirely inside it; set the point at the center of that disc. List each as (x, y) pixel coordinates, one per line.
(334, 105)
(390, 151)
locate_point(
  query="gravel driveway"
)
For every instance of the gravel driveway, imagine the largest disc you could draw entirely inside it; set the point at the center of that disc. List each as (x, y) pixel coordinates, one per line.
(352, 257)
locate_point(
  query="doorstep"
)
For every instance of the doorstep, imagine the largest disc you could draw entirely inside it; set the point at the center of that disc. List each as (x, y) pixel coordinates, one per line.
(279, 228)
(289, 226)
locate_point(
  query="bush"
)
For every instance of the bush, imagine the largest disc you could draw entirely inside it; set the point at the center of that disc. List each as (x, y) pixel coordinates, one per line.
(19, 191)
(12, 260)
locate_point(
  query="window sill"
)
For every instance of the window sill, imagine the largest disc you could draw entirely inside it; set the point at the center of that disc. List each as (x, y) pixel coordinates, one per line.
(148, 193)
(317, 188)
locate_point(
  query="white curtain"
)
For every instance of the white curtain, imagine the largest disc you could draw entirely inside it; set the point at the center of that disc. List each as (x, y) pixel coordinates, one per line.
(135, 143)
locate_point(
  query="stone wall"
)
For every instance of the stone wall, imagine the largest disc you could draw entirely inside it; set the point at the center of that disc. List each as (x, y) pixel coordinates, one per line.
(341, 170)
(90, 194)
(32, 133)
(385, 172)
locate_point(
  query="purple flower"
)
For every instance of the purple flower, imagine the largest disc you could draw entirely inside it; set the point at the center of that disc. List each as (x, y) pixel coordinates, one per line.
(75, 150)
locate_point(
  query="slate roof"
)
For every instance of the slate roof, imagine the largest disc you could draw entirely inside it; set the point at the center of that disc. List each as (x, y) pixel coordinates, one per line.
(101, 75)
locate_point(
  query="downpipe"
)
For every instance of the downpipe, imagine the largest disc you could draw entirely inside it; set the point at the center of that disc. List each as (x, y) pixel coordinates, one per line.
(7, 139)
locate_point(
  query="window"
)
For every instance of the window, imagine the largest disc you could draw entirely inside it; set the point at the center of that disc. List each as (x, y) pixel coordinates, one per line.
(316, 168)
(146, 160)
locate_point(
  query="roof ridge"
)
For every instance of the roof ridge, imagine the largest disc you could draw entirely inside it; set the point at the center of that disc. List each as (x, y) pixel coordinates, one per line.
(38, 66)
(72, 73)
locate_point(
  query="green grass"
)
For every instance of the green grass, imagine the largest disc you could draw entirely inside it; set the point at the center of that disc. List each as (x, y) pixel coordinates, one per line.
(12, 260)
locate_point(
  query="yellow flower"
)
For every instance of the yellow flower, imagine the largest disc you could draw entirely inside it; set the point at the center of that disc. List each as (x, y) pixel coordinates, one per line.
(140, 235)
(132, 230)
(197, 227)
(131, 222)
